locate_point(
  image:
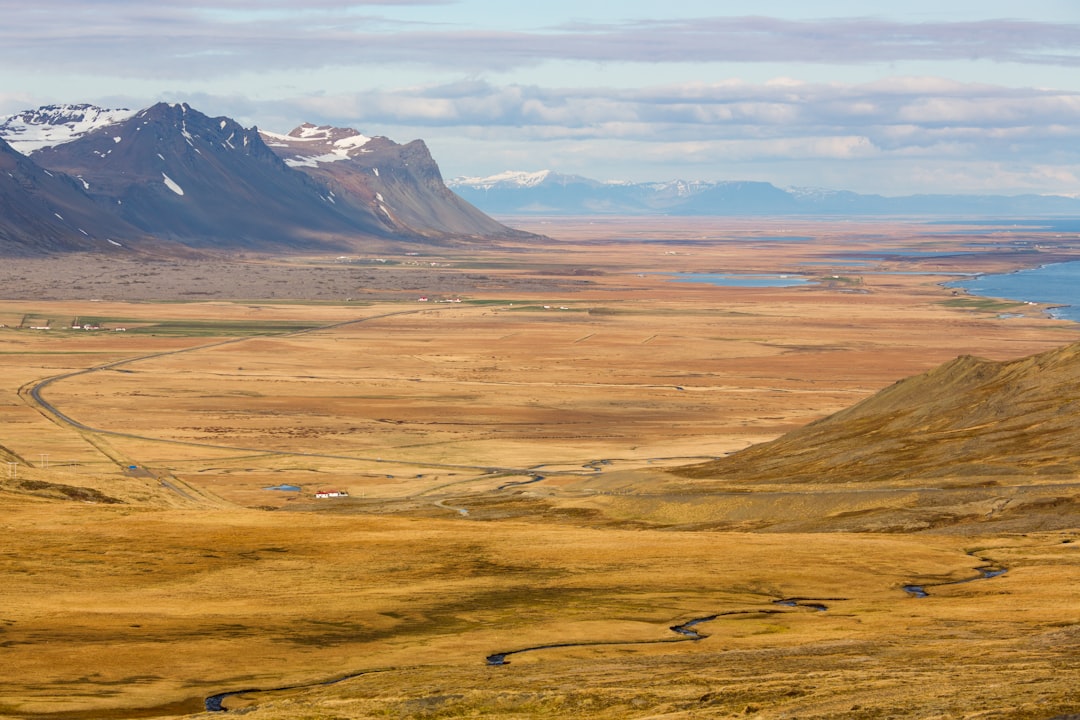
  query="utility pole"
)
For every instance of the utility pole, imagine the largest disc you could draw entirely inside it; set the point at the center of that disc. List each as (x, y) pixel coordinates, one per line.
(13, 471)
(44, 461)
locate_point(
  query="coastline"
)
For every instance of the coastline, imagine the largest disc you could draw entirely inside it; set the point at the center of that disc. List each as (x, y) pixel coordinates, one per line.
(1028, 285)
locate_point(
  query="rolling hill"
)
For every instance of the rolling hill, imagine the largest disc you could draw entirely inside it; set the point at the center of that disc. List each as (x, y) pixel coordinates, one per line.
(970, 421)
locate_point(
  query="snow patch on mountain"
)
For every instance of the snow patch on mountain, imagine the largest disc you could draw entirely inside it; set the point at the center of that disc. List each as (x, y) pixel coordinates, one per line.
(51, 125)
(317, 144)
(171, 184)
(681, 188)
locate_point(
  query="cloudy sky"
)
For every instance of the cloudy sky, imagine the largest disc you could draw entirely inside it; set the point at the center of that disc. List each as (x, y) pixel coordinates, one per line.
(889, 97)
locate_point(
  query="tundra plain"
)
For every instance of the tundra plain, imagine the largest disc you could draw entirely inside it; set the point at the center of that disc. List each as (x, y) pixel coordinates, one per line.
(508, 447)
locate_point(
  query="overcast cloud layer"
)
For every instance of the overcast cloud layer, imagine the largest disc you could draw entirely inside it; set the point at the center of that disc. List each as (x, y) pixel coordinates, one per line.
(885, 102)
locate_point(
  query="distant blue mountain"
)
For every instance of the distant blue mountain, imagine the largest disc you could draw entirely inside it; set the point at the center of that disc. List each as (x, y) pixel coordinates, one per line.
(550, 193)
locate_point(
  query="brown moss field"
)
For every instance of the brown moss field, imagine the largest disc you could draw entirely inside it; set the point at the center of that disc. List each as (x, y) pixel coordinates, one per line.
(507, 447)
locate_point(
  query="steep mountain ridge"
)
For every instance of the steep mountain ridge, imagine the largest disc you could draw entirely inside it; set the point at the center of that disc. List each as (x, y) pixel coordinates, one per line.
(968, 420)
(397, 186)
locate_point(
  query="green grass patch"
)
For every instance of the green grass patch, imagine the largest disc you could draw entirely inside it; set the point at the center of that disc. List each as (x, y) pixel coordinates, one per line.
(221, 328)
(485, 303)
(984, 304)
(841, 279)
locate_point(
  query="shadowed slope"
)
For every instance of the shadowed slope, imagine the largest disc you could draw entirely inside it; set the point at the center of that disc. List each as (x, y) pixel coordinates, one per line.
(967, 419)
(43, 212)
(208, 182)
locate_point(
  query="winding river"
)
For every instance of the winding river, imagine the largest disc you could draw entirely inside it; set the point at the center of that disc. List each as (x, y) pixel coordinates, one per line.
(985, 573)
(214, 702)
(685, 630)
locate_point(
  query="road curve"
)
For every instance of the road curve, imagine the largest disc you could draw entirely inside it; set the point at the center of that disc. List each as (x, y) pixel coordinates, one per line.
(35, 393)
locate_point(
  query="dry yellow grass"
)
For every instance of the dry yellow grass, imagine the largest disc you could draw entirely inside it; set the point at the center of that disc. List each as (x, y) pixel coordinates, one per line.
(137, 592)
(112, 610)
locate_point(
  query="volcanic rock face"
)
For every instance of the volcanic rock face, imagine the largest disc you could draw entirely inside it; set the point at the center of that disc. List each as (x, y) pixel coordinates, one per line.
(968, 420)
(398, 186)
(42, 212)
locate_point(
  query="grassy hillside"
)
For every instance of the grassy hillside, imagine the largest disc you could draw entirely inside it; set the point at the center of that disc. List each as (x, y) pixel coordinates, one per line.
(968, 420)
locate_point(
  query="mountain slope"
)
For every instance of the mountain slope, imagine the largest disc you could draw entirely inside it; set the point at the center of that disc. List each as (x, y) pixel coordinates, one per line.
(969, 420)
(398, 186)
(42, 212)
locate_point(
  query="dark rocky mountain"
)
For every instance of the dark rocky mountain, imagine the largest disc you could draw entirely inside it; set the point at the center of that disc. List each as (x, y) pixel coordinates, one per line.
(206, 182)
(398, 186)
(43, 211)
(549, 193)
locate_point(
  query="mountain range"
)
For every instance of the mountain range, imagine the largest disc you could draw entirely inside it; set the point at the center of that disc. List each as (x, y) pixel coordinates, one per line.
(84, 178)
(80, 177)
(550, 193)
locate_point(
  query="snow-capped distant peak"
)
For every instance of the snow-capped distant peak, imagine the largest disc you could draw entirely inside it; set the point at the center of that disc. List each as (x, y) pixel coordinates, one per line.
(510, 178)
(681, 188)
(315, 144)
(810, 192)
(51, 125)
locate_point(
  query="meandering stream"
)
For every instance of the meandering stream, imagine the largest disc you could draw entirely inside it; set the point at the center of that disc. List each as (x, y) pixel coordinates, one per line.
(990, 570)
(685, 630)
(214, 702)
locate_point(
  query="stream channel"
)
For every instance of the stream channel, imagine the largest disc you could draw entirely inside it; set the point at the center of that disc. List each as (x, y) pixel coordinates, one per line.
(985, 573)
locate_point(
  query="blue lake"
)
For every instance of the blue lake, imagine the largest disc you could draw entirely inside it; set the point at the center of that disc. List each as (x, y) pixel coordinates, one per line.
(839, 263)
(729, 280)
(1057, 284)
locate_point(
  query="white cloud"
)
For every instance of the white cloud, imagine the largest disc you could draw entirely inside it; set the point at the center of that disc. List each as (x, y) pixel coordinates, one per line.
(904, 135)
(174, 39)
(277, 63)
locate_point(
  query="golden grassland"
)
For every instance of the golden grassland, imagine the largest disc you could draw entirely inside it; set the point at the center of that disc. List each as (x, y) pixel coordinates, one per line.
(506, 459)
(116, 612)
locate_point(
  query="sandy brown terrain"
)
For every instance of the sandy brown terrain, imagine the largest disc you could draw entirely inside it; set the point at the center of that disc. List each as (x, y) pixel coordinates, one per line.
(506, 462)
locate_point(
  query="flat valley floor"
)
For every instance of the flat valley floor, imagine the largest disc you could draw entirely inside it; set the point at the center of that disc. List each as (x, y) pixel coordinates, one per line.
(501, 536)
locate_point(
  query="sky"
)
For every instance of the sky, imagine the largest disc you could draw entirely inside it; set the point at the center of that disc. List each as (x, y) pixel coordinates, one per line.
(896, 98)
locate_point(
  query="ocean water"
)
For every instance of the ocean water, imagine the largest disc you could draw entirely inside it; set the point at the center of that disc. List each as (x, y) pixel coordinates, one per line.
(1057, 284)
